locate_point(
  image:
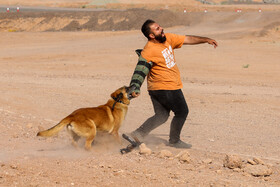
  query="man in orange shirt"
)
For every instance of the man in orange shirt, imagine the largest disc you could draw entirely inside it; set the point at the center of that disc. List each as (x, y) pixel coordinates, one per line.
(164, 83)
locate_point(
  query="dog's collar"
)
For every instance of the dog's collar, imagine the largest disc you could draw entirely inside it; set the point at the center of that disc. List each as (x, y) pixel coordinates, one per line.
(116, 101)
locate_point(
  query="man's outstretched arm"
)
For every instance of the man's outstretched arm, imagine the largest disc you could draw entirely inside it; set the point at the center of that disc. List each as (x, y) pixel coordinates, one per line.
(192, 40)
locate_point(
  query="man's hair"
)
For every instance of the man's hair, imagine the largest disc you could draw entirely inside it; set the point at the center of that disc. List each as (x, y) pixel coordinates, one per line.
(146, 30)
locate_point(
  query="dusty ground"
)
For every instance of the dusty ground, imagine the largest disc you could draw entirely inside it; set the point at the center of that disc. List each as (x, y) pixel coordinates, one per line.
(233, 93)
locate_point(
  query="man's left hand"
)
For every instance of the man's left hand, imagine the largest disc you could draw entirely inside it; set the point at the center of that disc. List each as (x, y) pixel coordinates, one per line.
(134, 95)
(212, 42)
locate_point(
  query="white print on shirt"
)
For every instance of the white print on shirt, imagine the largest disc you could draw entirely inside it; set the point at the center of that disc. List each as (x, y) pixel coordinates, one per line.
(169, 57)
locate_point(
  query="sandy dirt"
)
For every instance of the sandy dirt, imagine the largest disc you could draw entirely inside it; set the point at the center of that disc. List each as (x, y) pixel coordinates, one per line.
(233, 93)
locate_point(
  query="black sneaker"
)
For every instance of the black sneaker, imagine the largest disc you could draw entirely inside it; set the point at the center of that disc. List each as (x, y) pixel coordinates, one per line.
(180, 144)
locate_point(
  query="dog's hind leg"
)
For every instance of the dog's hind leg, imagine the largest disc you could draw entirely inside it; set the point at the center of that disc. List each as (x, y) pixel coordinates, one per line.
(75, 139)
(90, 136)
(89, 141)
(75, 136)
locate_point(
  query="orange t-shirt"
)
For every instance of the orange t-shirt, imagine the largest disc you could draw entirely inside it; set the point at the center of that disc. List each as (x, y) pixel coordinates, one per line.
(164, 74)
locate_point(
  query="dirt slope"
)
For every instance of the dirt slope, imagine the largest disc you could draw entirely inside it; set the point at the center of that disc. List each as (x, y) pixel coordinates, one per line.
(257, 23)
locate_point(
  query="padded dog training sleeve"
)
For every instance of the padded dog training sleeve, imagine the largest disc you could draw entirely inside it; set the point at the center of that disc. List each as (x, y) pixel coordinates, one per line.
(141, 71)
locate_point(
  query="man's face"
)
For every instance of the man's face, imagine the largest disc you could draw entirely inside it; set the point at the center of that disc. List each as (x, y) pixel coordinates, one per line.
(157, 33)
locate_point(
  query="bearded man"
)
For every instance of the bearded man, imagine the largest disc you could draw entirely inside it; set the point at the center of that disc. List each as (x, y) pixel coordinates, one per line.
(157, 61)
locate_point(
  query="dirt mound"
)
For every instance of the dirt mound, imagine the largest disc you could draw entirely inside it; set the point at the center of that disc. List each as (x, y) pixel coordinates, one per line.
(102, 3)
(223, 24)
(85, 21)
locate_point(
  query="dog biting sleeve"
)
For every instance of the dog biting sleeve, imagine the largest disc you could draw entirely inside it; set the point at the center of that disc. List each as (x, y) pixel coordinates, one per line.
(141, 71)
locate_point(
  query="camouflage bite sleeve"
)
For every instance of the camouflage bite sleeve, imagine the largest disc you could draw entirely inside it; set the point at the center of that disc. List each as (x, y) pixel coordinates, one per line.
(141, 71)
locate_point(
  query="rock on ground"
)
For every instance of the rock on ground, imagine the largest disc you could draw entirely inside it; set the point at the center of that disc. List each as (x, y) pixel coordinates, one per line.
(165, 154)
(258, 170)
(144, 149)
(232, 161)
(184, 156)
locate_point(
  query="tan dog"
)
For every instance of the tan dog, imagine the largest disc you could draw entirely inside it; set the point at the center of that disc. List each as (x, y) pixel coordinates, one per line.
(85, 122)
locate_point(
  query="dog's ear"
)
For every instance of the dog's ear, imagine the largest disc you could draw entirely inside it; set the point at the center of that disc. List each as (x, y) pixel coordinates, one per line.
(117, 95)
(114, 95)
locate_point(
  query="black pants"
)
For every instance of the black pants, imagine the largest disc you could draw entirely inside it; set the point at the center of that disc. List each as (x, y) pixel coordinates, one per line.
(164, 101)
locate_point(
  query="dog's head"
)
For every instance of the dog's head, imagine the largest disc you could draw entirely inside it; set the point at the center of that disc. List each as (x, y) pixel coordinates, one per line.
(123, 94)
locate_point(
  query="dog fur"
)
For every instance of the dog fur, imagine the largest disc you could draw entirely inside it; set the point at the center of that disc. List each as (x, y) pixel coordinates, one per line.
(85, 122)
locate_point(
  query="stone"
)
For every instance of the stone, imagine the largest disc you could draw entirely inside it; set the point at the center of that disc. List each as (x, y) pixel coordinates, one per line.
(144, 149)
(252, 162)
(258, 170)
(258, 161)
(207, 161)
(184, 156)
(182, 153)
(232, 161)
(165, 154)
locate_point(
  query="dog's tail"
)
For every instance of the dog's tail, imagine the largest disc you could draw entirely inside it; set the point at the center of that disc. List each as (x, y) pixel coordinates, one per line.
(55, 129)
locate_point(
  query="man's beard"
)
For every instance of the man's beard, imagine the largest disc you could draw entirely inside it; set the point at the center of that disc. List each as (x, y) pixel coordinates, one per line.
(160, 38)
